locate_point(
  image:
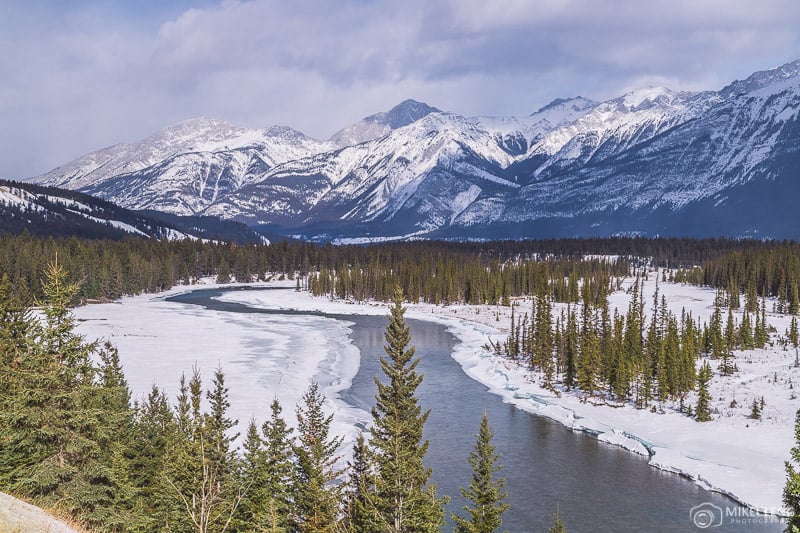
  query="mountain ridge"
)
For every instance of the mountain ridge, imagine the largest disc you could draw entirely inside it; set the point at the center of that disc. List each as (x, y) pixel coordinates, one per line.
(415, 169)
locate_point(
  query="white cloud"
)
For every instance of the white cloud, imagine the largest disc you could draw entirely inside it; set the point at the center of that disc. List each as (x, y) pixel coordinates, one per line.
(77, 79)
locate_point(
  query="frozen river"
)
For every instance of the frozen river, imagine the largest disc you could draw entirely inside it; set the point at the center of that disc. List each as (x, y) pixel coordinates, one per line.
(597, 487)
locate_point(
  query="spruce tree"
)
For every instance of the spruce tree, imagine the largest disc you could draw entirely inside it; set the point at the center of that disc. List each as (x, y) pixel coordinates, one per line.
(702, 410)
(53, 426)
(198, 494)
(403, 500)
(484, 491)
(279, 457)
(558, 524)
(755, 410)
(746, 332)
(252, 474)
(154, 432)
(115, 437)
(792, 334)
(726, 367)
(590, 362)
(15, 326)
(715, 341)
(570, 349)
(218, 428)
(791, 490)
(316, 499)
(357, 495)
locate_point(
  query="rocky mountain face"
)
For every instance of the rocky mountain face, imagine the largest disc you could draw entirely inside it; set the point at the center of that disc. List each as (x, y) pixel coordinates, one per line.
(653, 161)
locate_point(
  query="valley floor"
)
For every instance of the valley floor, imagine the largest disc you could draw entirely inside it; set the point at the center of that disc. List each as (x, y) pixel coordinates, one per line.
(732, 454)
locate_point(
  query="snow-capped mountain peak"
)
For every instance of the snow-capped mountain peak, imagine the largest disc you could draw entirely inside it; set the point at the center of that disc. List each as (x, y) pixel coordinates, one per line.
(403, 114)
(382, 123)
(649, 97)
(576, 104)
(618, 165)
(763, 78)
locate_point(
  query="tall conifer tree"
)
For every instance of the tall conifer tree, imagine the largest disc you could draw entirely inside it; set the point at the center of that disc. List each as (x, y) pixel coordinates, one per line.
(404, 501)
(791, 490)
(316, 499)
(484, 491)
(702, 410)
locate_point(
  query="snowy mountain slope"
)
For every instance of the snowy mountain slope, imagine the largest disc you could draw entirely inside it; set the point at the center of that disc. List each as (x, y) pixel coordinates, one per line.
(375, 179)
(735, 141)
(659, 162)
(186, 183)
(51, 211)
(519, 134)
(380, 124)
(197, 136)
(634, 164)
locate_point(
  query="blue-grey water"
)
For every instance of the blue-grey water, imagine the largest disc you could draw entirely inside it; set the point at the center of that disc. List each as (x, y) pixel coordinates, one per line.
(595, 486)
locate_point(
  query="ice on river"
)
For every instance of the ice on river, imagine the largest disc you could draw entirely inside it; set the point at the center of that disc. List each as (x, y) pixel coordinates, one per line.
(265, 356)
(262, 356)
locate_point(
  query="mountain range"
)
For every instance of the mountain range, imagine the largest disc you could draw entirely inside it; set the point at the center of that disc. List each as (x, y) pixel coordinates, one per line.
(650, 162)
(54, 212)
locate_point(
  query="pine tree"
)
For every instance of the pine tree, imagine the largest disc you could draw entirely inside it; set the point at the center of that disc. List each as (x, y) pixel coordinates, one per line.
(279, 465)
(52, 427)
(316, 499)
(726, 367)
(15, 326)
(755, 410)
(484, 491)
(358, 490)
(199, 495)
(702, 410)
(791, 490)
(218, 429)
(558, 524)
(792, 334)
(403, 501)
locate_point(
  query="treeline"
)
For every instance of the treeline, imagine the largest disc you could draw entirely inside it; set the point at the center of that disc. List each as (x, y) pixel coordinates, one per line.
(108, 269)
(432, 276)
(629, 357)
(71, 439)
(772, 270)
(667, 252)
(437, 272)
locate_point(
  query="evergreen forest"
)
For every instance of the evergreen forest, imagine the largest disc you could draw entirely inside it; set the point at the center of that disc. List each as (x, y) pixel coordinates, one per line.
(73, 440)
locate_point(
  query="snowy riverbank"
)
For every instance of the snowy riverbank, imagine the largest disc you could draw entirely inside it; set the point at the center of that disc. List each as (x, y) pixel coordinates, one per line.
(263, 356)
(733, 454)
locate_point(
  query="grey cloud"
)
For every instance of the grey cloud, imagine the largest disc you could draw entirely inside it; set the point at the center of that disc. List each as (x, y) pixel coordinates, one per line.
(78, 80)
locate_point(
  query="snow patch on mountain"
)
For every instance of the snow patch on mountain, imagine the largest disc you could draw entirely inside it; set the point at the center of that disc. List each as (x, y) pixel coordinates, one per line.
(649, 149)
(381, 124)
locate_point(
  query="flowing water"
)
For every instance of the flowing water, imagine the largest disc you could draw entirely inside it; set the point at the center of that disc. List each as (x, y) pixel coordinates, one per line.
(595, 486)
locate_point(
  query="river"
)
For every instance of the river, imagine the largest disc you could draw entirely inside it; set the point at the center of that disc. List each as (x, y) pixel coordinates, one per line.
(595, 486)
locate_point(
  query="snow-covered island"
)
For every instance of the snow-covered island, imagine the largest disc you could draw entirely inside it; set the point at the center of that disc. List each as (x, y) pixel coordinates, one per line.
(732, 454)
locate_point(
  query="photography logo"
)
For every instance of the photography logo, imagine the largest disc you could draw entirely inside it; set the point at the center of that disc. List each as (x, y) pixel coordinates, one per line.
(706, 515)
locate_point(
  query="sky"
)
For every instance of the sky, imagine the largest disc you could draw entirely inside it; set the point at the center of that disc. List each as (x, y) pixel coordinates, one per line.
(76, 76)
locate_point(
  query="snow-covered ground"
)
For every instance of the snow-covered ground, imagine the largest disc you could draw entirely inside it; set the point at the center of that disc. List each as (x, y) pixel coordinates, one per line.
(732, 454)
(262, 356)
(266, 355)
